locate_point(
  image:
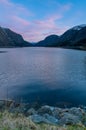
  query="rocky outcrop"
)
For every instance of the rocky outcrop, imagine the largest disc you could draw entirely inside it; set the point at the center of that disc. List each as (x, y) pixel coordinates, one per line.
(47, 114)
(69, 119)
(9, 38)
(59, 116)
(46, 118)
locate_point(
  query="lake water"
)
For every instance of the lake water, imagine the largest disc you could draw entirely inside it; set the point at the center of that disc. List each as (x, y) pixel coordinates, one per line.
(47, 75)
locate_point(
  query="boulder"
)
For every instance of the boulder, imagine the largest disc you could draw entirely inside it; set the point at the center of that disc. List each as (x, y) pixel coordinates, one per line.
(77, 111)
(51, 119)
(45, 109)
(69, 119)
(31, 111)
(57, 112)
(44, 119)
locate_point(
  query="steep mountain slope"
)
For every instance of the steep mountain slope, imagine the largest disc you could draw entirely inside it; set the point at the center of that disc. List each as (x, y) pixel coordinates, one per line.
(72, 38)
(9, 38)
(75, 36)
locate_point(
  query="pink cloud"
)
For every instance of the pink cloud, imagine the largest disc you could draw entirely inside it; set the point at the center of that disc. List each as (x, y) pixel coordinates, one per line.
(39, 29)
(19, 20)
(48, 22)
(5, 2)
(10, 9)
(14, 18)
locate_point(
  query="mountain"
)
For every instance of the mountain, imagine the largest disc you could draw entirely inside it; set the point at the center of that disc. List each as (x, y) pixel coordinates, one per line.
(9, 38)
(48, 41)
(75, 36)
(72, 38)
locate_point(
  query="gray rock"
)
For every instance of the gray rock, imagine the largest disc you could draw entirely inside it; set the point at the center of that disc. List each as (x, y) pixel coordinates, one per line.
(51, 119)
(77, 111)
(31, 111)
(45, 109)
(69, 119)
(56, 112)
(43, 119)
(37, 118)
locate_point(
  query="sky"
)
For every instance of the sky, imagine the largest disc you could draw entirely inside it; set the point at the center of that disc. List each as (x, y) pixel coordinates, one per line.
(36, 19)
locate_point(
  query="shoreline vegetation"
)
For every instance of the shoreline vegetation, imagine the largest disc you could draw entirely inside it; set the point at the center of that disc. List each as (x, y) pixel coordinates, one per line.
(21, 116)
(12, 121)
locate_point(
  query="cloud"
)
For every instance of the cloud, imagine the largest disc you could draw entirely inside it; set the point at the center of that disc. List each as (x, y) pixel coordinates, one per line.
(13, 16)
(39, 29)
(16, 17)
(19, 20)
(11, 13)
(5, 2)
(13, 8)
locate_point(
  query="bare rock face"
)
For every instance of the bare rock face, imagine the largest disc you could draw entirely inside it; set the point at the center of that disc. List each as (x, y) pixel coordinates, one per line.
(9, 38)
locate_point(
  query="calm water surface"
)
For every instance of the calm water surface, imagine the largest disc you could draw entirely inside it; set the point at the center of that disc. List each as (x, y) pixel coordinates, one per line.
(48, 75)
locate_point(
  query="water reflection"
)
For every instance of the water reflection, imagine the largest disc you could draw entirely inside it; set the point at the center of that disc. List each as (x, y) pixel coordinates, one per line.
(3, 51)
(55, 76)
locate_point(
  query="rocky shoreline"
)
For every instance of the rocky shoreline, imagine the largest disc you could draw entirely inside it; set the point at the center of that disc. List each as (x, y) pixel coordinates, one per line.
(47, 114)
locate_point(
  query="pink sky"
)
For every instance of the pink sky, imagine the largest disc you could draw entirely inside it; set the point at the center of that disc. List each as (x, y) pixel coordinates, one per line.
(23, 20)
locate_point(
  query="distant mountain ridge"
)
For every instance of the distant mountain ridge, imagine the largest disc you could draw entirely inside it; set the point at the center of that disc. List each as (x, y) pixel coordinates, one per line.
(72, 38)
(75, 37)
(48, 41)
(9, 38)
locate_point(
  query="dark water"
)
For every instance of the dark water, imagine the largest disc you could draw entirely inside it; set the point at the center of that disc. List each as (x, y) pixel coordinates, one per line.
(47, 75)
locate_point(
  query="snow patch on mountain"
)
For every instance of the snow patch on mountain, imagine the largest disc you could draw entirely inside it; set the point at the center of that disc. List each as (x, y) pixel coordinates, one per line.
(79, 27)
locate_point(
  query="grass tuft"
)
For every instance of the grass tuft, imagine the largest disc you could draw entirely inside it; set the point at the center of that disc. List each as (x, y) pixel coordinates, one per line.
(12, 121)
